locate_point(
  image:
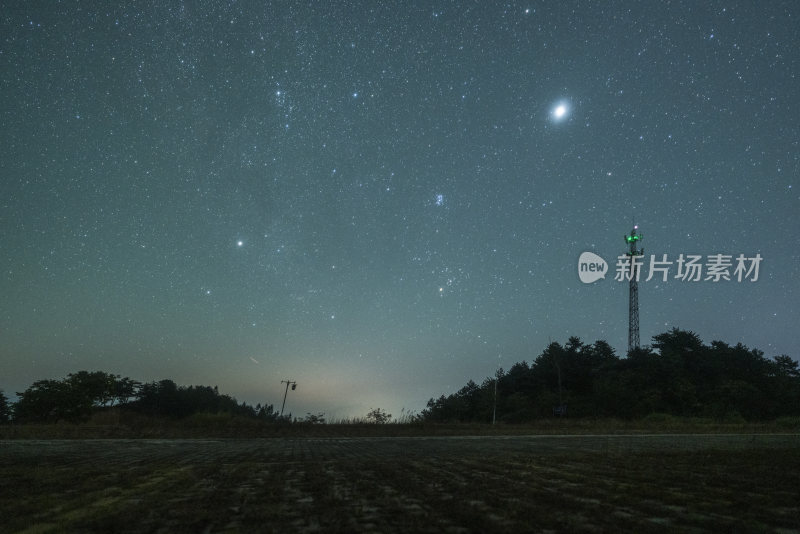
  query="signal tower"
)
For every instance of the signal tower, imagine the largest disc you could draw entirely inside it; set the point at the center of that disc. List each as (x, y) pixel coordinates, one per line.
(633, 299)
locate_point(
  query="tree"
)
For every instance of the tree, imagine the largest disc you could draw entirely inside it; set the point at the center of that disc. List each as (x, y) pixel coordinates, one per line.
(550, 370)
(378, 416)
(160, 398)
(124, 389)
(677, 340)
(313, 419)
(5, 409)
(266, 412)
(785, 366)
(436, 409)
(96, 386)
(52, 401)
(604, 352)
(166, 398)
(786, 385)
(677, 375)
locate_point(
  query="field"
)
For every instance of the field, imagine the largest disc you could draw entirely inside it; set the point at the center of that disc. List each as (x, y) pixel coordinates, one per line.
(542, 483)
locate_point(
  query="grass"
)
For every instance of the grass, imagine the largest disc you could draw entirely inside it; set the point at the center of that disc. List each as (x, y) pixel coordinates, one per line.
(113, 425)
(581, 484)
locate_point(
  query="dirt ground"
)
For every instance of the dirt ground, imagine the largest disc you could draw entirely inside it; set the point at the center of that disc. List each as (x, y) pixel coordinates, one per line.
(600, 483)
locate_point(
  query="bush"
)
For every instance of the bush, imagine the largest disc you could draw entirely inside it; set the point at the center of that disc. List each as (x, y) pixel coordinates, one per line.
(378, 416)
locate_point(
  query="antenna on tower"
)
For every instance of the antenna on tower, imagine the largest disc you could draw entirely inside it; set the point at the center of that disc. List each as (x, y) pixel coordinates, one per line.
(632, 241)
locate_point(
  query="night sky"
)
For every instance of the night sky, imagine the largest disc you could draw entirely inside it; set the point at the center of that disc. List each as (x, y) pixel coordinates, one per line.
(382, 201)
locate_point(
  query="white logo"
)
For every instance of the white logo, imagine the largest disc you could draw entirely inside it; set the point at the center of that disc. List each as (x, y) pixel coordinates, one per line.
(591, 267)
(690, 267)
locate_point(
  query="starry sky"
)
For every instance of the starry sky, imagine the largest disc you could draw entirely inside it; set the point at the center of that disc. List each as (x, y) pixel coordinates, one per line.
(383, 200)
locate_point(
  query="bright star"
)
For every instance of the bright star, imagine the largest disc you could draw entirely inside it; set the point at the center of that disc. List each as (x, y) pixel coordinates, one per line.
(560, 112)
(240, 243)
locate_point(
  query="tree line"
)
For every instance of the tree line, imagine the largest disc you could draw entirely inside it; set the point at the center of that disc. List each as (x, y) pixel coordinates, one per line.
(76, 397)
(678, 375)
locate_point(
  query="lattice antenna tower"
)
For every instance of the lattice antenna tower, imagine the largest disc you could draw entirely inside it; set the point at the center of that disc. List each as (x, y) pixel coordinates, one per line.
(632, 241)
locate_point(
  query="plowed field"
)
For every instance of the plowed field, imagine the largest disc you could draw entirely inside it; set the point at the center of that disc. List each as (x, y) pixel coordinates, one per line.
(642, 483)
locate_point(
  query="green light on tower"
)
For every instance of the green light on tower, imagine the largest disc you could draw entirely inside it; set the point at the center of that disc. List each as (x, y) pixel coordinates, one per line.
(633, 300)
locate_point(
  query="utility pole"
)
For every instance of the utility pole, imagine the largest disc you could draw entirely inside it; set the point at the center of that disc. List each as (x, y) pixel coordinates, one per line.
(561, 411)
(494, 411)
(294, 386)
(633, 296)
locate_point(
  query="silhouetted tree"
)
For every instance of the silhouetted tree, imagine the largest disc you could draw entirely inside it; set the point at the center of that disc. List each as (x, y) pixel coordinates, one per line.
(313, 419)
(52, 401)
(167, 399)
(786, 367)
(124, 389)
(678, 375)
(786, 384)
(266, 413)
(159, 398)
(75, 397)
(96, 386)
(5, 409)
(677, 341)
(378, 416)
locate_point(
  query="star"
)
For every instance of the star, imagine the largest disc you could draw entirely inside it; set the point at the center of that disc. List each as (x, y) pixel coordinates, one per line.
(560, 112)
